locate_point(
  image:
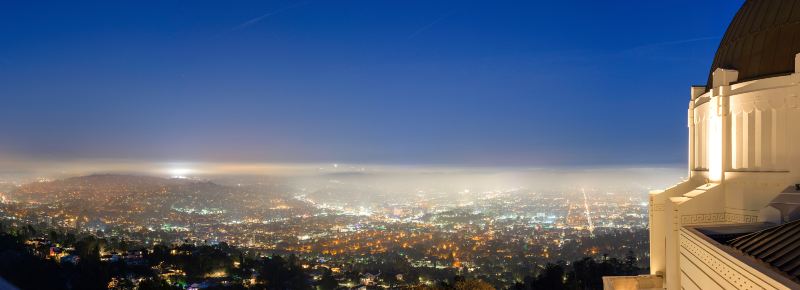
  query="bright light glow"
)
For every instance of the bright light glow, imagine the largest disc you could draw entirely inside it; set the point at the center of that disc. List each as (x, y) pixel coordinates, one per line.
(182, 172)
(714, 144)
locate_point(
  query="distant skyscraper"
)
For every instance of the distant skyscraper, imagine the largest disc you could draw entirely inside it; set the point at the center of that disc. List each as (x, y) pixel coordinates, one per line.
(732, 223)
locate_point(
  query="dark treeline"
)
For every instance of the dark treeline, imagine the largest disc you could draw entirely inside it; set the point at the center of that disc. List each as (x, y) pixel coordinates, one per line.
(584, 274)
(27, 267)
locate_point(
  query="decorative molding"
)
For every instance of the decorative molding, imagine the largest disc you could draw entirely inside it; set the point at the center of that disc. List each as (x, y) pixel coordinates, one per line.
(740, 218)
(719, 267)
(703, 218)
(750, 102)
(717, 218)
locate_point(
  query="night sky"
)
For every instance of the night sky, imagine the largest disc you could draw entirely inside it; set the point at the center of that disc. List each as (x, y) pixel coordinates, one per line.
(502, 83)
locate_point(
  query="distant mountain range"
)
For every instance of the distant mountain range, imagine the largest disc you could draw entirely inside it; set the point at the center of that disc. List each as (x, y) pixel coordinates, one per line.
(110, 186)
(117, 192)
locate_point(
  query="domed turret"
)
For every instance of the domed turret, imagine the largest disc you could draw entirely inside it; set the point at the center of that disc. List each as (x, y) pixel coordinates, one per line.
(744, 162)
(761, 41)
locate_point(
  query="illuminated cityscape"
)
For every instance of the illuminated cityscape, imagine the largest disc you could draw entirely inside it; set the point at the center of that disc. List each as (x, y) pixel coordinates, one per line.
(425, 237)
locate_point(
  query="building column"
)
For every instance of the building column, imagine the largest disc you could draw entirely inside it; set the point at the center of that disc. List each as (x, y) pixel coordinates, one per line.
(723, 112)
(696, 92)
(672, 277)
(720, 92)
(657, 235)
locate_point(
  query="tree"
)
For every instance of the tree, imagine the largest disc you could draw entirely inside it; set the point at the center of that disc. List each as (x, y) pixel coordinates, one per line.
(328, 282)
(54, 237)
(586, 273)
(472, 285)
(552, 277)
(156, 284)
(277, 273)
(24, 270)
(459, 283)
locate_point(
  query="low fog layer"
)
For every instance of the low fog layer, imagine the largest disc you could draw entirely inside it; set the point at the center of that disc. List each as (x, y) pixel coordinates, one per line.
(382, 179)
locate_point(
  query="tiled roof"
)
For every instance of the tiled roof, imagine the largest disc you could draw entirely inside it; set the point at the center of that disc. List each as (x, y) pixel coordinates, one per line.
(777, 246)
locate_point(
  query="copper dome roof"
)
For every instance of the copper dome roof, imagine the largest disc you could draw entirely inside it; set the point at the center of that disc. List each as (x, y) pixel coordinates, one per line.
(761, 41)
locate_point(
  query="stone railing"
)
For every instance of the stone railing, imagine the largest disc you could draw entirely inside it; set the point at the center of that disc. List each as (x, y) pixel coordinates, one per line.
(641, 282)
(705, 265)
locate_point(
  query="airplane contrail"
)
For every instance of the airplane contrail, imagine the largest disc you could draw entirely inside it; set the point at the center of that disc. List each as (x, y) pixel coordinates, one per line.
(426, 27)
(258, 19)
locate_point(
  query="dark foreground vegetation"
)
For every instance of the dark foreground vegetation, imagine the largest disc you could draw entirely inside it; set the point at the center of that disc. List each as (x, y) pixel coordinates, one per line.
(33, 260)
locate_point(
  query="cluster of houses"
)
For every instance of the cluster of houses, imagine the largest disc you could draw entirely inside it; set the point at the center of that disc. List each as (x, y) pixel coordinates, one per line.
(45, 248)
(131, 258)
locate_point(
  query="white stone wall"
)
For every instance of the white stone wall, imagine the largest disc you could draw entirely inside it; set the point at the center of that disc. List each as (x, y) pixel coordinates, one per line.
(705, 266)
(761, 125)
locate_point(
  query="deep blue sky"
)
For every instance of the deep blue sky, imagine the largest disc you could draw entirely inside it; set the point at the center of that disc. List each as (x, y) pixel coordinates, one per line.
(390, 82)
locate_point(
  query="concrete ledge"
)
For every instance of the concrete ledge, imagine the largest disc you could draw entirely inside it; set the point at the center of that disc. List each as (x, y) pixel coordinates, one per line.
(641, 282)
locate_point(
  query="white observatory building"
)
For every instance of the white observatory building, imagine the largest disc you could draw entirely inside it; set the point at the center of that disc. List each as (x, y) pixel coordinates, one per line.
(733, 223)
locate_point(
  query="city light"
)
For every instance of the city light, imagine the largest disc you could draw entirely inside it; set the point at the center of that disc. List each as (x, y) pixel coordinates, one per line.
(179, 172)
